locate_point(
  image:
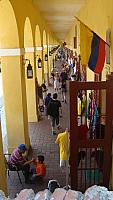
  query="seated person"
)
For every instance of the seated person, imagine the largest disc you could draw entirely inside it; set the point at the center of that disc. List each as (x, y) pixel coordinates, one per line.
(39, 171)
(17, 159)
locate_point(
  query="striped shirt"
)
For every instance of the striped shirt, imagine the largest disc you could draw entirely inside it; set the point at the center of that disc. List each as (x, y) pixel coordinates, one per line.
(16, 158)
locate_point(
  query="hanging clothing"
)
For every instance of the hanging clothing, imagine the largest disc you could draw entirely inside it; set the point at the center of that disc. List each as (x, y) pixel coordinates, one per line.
(61, 140)
(92, 113)
(81, 109)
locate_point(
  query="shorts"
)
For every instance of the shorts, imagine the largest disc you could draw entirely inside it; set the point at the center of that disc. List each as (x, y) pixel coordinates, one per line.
(55, 121)
(56, 84)
(63, 89)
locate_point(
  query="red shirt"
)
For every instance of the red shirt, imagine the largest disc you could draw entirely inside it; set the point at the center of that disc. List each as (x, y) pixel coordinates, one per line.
(40, 169)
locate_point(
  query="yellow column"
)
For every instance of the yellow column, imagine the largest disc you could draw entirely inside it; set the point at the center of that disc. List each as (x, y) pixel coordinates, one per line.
(3, 184)
(31, 90)
(49, 63)
(14, 92)
(43, 78)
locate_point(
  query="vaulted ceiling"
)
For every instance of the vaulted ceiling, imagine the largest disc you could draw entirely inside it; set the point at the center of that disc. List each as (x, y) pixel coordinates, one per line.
(59, 14)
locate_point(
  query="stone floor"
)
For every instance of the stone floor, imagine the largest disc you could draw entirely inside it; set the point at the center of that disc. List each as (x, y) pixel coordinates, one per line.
(42, 142)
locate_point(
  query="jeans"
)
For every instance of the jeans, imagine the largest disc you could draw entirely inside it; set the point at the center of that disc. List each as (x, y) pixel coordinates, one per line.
(54, 121)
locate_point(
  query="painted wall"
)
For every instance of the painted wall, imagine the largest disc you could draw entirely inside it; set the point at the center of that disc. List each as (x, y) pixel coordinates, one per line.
(14, 89)
(99, 19)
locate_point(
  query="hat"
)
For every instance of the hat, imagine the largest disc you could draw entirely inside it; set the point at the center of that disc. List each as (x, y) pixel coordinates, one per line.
(22, 147)
(52, 185)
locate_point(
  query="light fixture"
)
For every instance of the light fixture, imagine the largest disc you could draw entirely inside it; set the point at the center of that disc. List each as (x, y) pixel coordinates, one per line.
(39, 63)
(29, 70)
(46, 57)
(49, 53)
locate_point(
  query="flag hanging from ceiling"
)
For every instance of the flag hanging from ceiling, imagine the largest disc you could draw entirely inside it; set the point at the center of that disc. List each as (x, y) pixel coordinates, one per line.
(92, 49)
(97, 56)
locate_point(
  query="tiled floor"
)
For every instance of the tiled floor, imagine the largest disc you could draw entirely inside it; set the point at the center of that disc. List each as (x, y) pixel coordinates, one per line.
(42, 142)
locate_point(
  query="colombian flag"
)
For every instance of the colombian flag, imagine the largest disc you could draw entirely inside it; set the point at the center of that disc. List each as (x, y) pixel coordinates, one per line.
(92, 49)
(97, 56)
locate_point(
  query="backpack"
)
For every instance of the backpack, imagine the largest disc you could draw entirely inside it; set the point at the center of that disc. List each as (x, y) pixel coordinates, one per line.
(50, 108)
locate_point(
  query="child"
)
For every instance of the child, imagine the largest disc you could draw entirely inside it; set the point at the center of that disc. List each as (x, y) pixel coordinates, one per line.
(40, 170)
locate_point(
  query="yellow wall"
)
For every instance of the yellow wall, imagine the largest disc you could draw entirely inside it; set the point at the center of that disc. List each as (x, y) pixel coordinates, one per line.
(70, 38)
(99, 19)
(8, 26)
(15, 35)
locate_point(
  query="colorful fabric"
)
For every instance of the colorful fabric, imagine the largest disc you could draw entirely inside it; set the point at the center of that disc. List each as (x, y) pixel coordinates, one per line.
(40, 169)
(97, 57)
(92, 113)
(92, 49)
(85, 43)
(81, 105)
(61, 140)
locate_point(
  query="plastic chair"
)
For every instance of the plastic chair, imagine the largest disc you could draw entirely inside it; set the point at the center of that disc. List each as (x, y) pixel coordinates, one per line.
(11, 168)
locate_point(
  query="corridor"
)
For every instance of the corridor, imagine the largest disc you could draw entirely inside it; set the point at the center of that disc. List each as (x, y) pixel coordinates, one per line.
(42, 142)
(33, 35)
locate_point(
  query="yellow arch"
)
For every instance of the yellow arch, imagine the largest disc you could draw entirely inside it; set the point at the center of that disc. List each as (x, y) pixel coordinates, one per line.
(44, 38)
(37, 36)
(8, 26)
(28, 36)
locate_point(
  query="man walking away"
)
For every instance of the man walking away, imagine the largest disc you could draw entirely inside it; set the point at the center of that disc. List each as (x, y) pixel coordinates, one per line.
(47, 100)
(54, 110)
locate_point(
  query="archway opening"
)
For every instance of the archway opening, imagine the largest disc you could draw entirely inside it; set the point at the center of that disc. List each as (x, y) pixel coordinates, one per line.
(30, 83)
(44, 55)
(38, 56)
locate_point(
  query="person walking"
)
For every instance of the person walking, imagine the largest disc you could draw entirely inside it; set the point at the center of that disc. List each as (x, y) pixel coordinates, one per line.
(63, 78)
(56, 82)
(63, 90)
(46, 102)
(54, 110)
(44, 90)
